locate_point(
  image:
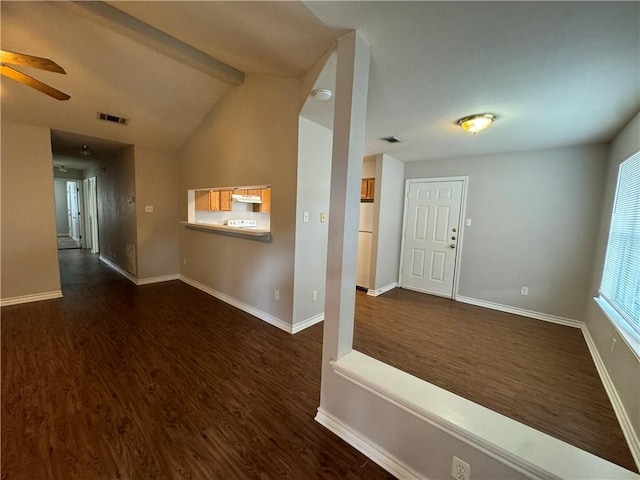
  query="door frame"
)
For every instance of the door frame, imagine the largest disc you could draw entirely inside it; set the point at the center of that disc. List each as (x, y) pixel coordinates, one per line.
(80, 204)
(91, 210)
(461, 227)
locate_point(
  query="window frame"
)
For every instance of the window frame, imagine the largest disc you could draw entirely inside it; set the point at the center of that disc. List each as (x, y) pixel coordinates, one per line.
(629, 329)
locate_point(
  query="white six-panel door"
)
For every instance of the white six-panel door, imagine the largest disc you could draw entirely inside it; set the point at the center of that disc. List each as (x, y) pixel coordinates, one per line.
(432, 228)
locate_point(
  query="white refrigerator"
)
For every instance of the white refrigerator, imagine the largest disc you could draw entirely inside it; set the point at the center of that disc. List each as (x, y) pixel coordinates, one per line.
(365, 234)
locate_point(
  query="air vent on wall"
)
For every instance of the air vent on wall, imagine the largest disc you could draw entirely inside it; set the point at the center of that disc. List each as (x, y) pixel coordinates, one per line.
(391, 139)
(107, 117)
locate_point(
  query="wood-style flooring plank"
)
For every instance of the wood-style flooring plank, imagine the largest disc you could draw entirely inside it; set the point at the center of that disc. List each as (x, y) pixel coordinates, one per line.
(162, 381)
(538, 373)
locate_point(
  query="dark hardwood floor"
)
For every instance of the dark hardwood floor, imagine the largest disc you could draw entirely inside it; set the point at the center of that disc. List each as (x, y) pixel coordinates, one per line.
(536, 372)
(162, 381)
(165, 382)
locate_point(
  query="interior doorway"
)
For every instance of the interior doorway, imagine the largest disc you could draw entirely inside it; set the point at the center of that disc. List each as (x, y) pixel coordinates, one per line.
(68, 202)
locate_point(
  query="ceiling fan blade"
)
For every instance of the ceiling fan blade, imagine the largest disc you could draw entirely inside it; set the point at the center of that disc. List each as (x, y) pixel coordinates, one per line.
(33, 83)
(30, 61)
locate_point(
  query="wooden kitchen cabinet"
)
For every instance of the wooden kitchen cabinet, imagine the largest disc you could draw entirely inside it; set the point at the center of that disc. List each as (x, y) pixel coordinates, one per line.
(214, 201)
(265, 196)
(225, 200)
(202, 200)
(367, 189)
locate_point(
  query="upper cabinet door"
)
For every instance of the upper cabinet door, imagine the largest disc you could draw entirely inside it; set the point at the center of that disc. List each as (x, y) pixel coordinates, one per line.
(202, 199)
(265, 196)
(367, 188)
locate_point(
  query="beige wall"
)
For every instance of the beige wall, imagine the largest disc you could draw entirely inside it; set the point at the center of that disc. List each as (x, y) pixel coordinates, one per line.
(250, 138)
(387, 226)
(535, 219)
(314, 188)
(116, 213)
(622, 364)
(28, 237)
(157, 233)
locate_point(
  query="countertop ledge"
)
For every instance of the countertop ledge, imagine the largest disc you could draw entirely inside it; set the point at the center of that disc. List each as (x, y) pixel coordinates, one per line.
(247, 232)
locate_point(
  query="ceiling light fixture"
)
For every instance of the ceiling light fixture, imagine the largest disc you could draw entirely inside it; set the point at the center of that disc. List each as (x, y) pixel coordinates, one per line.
(477, 122)
(322, 94)
(84, 150)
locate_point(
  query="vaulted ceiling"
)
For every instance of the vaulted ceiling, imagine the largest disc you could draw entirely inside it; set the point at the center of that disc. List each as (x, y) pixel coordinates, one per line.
(555, 73)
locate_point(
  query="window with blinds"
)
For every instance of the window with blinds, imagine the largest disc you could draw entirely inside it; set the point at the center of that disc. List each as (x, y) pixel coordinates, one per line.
(621, 277)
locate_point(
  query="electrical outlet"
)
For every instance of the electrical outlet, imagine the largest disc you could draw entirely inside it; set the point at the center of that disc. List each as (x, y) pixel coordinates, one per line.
(524, 291)
(323, 217)
(276, 294)
(305, 217)
(460, 470)
(314, 295)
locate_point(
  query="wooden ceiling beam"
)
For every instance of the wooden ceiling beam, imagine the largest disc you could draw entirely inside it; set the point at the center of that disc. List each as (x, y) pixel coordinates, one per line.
(158, 40)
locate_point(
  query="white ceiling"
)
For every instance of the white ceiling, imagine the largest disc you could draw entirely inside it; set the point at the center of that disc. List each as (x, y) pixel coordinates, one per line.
(555, 73)
(275, 38)
(66, 148)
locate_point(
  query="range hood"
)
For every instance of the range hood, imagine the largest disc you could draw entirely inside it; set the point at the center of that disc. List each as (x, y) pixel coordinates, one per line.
(246, 198)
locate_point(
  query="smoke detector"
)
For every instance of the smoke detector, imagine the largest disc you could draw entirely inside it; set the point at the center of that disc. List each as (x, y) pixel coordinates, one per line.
(322, 94)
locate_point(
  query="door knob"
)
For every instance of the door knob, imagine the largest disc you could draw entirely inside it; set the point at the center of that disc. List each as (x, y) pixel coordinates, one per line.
(452, 246)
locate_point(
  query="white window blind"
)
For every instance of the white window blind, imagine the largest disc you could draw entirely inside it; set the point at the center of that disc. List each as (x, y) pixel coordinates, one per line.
(621, 277)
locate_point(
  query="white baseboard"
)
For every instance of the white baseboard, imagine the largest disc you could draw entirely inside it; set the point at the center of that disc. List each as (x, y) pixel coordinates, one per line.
(381, 290)
(298, 327)
(625, 423)
(119, 269)
(276, 322)
(162, 278)
(361, 443)
(521, 311)
(34, 297)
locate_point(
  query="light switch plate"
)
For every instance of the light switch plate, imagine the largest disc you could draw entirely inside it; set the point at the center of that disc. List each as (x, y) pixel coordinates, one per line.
(148, 208)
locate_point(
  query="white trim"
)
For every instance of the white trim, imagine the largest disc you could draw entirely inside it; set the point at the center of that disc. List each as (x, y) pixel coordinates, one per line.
(625, 423)
(528, 451)
(429, 292)
(361, 443)
(162, 278)
(569, 322)
(34, 297)
(620, 325)
(298, 327)
(461, 226)
(119, 269)
(381, 290)
(276, 322)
